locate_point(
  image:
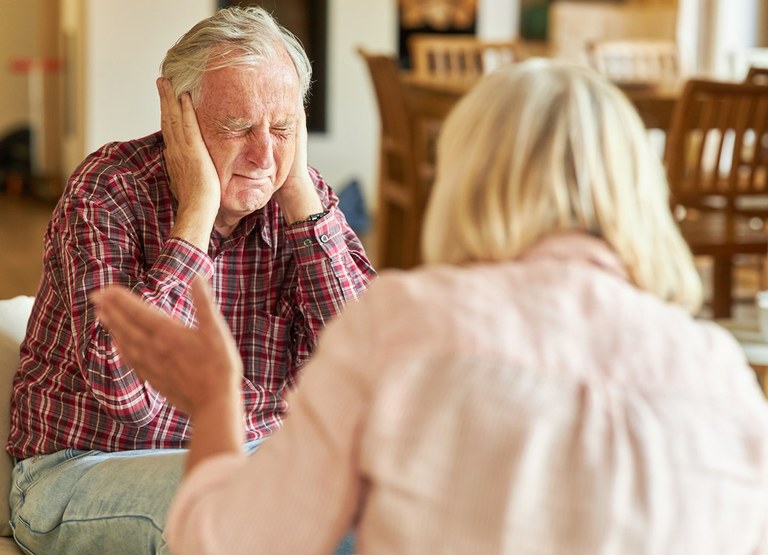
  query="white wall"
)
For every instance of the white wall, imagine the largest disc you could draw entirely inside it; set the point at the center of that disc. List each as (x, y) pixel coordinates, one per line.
(736, 29)
(349, 147)
(498, 19)
(125, 43)
(715, 35)
(124, 52)
(691, 19)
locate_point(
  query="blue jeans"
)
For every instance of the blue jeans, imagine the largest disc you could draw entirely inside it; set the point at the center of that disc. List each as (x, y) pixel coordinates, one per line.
(91, 502)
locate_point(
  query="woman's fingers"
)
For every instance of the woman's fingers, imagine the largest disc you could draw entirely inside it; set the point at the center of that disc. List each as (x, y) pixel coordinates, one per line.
(115, 308)
(201, 299)
(187, 366)
(209, 319)
(134, 325)
(213, 327)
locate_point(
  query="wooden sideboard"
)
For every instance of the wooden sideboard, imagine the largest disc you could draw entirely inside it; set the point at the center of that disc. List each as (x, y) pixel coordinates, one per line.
(572, 24)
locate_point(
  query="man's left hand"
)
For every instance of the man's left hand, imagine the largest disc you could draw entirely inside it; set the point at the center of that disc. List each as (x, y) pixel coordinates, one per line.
(297, 197)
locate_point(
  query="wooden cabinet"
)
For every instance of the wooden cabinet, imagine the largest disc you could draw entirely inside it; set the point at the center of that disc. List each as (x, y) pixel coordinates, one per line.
(573, 23)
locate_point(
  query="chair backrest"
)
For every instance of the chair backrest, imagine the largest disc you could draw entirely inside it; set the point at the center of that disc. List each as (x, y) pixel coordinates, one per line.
(635, 61)
(396, 223)
(757, 75)
(459, 56)
(741, 59)
(384, 72)
(717, 148)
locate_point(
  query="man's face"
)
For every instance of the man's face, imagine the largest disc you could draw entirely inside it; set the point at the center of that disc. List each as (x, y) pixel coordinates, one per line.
(248, 119)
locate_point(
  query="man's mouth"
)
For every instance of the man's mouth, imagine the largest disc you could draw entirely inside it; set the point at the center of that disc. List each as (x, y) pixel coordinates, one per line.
(256, 180)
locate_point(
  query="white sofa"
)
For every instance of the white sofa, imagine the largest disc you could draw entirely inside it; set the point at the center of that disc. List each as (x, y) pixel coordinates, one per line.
(14, 314)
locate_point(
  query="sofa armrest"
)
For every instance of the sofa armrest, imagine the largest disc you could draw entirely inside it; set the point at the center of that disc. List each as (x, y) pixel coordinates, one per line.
(14, 314)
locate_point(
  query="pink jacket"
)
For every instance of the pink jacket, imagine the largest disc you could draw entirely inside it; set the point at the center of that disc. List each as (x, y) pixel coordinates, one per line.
(541, 406)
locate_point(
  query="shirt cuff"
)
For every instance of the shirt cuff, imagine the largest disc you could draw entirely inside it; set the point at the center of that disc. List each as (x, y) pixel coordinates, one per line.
(208, 477)
(182, 261)
(319, 240)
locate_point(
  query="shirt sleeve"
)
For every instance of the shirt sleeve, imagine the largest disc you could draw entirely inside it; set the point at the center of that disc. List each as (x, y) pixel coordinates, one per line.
(101, 242)
(333, 269)
(300, 491)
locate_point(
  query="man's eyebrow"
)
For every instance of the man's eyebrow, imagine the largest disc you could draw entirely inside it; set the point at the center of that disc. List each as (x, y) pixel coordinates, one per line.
(231, 123)
(285, 123)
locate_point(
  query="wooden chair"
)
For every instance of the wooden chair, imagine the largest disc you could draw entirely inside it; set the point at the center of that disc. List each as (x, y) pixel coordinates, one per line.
(630, 62)
(742, 59)
(757, 75)
(717, 166)
(459, 56)
(400, 198)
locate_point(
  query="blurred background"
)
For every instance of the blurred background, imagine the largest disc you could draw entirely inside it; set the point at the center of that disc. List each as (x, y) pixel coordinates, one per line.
(75, 74)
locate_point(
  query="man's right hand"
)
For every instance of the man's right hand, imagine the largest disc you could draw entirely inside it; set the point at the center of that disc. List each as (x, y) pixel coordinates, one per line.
(193, 178)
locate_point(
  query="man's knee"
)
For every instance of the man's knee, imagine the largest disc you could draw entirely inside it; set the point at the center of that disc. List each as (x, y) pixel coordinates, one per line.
(118, 500)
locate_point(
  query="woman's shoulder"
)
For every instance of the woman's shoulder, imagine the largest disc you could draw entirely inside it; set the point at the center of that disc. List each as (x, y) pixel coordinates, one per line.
(435, 289)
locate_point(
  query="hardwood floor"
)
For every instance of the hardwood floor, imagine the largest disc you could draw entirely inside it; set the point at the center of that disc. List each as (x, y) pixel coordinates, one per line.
(23, 221)
(22, 225)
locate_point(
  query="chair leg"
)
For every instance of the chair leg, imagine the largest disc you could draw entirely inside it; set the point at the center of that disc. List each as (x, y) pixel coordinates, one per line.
(722, 282)
(763, 284)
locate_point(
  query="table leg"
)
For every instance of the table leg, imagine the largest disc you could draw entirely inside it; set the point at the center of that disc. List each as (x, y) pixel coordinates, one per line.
(722, 283)
(760, 372)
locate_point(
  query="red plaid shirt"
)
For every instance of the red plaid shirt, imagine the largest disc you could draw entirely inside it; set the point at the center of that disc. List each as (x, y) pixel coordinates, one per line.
(276, 285)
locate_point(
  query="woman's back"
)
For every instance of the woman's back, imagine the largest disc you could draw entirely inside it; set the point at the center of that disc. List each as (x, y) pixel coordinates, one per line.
(548, 406)
(533, 390)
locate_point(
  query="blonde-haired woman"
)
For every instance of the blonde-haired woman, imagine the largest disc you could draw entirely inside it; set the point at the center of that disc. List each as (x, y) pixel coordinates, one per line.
(539, 387)
(554, 148)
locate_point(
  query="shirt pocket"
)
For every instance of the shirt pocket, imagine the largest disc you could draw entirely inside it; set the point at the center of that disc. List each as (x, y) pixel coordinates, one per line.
(267, 348)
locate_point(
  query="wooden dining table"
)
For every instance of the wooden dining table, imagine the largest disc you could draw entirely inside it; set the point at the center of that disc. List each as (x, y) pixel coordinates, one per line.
(656, 106)
(654, 102)
(432, 96)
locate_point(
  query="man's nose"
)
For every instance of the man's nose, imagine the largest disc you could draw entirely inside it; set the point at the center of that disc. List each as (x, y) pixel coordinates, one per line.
(260, 149)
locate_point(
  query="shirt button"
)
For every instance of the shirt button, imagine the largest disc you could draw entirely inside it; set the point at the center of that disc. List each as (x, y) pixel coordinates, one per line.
(323, 238)
(308, 242)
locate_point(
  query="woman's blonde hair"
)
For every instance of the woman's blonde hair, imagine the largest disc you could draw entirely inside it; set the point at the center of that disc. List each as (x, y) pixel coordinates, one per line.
(543, 147)
(235, 36)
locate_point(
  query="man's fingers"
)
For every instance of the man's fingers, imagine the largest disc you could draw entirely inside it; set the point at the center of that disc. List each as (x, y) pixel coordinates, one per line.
(178, 119)
(159, 83)
(299, 164)
(301, 126)
(171, 115)
(189, 123)
(209, 317)
(165, 124)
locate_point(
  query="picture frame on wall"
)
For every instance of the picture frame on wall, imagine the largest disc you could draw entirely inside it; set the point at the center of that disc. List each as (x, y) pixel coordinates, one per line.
(433, 16)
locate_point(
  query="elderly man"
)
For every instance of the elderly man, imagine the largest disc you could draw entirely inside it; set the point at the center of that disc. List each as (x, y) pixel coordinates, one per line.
(223, 192)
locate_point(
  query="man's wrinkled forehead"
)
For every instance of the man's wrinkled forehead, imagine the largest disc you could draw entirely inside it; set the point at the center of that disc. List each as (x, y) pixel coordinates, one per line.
(269, 92)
